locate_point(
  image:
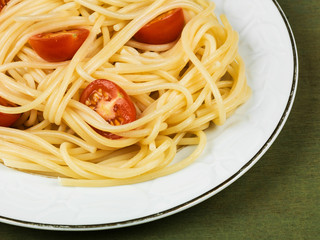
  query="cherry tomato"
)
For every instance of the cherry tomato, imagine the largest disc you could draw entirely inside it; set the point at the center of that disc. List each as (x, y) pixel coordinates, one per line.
(58, 46)
(6, 119)
(3, 3)
(165, 28)
(111, 102)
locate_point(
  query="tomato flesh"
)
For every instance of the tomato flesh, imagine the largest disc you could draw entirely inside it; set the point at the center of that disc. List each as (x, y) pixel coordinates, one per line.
(6, 119)
(58, 46)
(111, 102)
(165, 28)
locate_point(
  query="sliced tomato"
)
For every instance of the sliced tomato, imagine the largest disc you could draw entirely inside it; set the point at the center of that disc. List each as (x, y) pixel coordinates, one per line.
(165, 28)
(6, 119)
(111, 102)
(58, 46)
(3, 3)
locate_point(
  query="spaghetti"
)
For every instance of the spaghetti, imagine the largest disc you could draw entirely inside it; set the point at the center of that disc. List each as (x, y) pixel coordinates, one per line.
(178, 89)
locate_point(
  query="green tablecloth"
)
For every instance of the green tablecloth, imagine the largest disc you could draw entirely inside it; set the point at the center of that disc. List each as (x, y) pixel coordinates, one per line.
(279, 198)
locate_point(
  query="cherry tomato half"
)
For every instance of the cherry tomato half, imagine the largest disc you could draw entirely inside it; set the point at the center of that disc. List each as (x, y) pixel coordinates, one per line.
(165, 28)
(111, 102)
(58, 46)
(6, 119)
(3, 3)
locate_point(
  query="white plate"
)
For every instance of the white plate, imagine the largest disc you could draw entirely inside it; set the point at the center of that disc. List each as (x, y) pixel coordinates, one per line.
(269, 51)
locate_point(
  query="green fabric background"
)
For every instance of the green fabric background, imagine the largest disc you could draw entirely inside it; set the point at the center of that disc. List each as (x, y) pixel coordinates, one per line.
(279, 198)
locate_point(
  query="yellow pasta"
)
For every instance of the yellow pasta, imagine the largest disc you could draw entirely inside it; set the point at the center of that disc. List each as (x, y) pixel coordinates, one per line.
(179, 89)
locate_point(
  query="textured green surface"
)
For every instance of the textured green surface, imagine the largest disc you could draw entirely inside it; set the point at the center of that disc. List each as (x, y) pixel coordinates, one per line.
(279, 198)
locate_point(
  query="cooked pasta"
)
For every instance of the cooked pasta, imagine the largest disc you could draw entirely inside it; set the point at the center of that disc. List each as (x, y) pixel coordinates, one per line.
(178, 89)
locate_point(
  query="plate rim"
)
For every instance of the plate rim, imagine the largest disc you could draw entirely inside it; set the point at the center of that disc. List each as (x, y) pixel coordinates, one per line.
(207, 194)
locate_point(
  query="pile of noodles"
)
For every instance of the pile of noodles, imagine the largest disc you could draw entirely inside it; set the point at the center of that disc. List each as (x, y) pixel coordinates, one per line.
(179, 89)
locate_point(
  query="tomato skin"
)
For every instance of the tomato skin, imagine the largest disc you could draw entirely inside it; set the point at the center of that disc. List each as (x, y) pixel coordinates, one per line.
(111, 102)
(3, 3)
(58, 46)
(163, 29)
(6, 119)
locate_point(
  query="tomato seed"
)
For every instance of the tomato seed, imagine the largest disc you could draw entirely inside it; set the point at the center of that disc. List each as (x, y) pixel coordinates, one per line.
(88, 102)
